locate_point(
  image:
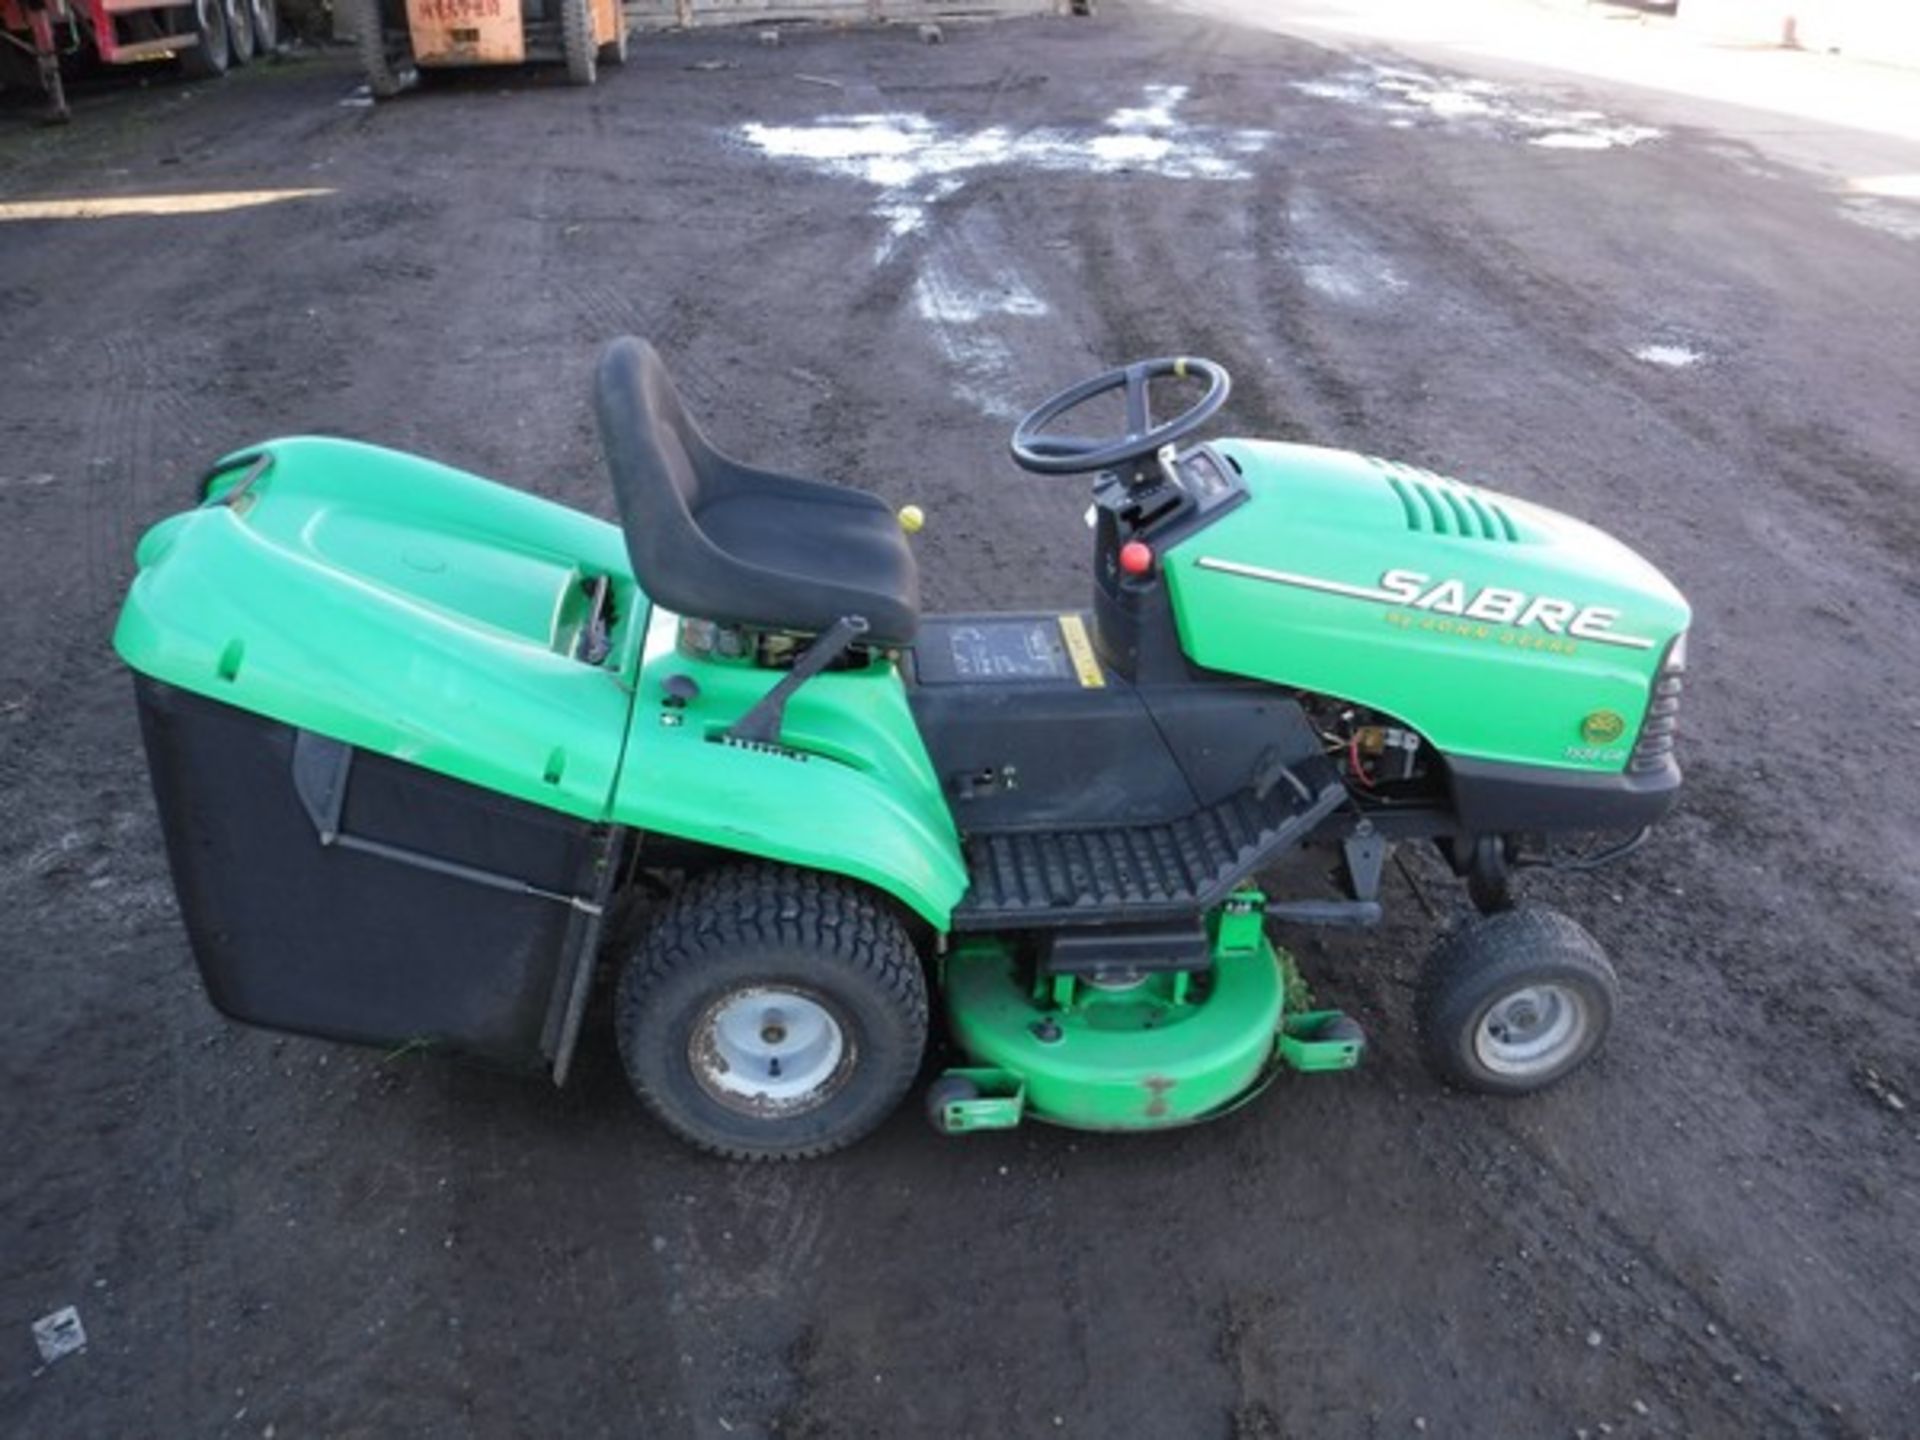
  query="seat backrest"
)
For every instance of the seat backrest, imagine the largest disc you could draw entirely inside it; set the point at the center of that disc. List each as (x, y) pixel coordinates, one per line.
(657, 457)
(717, 540)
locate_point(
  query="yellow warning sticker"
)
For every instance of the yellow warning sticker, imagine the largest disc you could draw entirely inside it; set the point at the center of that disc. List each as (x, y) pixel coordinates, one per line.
(1073, 630)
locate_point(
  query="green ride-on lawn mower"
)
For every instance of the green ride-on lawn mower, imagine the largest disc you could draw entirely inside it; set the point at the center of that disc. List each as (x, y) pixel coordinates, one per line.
(416, 738)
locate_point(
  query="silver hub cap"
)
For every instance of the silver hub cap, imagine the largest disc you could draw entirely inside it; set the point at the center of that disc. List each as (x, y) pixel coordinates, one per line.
(1532, 1031)
(769, 1051)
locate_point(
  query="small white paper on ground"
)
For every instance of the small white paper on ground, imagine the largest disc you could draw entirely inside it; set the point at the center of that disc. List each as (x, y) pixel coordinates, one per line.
(60, 1334)
(1672, 357)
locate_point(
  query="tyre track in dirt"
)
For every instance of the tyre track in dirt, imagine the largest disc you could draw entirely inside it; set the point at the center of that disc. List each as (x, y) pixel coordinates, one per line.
(1626, 1287)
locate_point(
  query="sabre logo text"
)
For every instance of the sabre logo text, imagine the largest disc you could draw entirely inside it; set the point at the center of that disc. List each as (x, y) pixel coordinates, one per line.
(1502, 607)
(1490, 604)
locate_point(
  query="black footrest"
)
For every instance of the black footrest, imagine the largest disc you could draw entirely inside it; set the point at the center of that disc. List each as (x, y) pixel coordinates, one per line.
(1041, 878)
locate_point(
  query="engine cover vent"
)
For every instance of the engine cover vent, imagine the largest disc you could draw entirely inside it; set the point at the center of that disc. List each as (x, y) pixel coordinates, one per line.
(1435, 505)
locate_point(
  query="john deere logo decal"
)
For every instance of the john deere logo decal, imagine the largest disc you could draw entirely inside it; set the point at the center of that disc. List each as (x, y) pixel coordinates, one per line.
(1602, 727)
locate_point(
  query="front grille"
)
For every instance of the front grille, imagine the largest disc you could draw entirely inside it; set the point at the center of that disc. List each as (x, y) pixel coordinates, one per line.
(1654, 748)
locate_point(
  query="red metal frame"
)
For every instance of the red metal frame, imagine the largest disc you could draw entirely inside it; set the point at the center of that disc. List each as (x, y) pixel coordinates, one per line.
(34, 26)
(36, 19)
(99, 20)
(18, 15)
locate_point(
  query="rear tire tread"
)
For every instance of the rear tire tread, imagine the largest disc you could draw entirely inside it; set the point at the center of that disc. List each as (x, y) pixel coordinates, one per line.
(756, 905)
(208, 59)
(370, 41)
(266, 27)
(240, 39)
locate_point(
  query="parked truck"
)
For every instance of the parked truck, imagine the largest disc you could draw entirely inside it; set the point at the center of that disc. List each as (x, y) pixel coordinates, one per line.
(205, 35)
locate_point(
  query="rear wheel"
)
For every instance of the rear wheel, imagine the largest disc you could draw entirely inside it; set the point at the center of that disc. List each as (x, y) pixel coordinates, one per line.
(266, 25)
(576, 40)
(1514, 1002)
(208, 59)
(239, 30)
(773, 1013)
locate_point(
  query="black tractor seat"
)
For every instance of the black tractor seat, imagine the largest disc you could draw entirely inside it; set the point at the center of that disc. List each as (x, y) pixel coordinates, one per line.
(716, 540)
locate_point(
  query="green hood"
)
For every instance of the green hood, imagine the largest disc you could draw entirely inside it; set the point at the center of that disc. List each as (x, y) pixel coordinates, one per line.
(1497, 628)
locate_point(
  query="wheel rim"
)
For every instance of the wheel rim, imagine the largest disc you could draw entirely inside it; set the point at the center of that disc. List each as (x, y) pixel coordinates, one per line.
(239, 31)
(210, 23)
(1533, 1031)
(770, 1051)
(266, 25)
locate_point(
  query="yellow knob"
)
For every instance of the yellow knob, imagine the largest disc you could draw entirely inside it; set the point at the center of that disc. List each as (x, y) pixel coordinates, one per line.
(912, 517)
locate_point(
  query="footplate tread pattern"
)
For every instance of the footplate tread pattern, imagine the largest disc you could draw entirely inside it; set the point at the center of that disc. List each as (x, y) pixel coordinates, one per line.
(1053, 877)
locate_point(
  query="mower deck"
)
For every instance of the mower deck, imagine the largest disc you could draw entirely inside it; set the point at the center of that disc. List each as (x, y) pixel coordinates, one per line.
(1130, 1049)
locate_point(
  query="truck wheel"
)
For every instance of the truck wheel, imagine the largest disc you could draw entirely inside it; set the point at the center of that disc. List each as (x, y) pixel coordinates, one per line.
(576, 40)
(239, 31)
(266, 25)
(773, 1013)
(208, 59)
(384, 79)
(1513, 1002)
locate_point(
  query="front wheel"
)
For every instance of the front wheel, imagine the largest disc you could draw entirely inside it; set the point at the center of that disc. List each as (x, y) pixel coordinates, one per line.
(1514, 1002)
(577, 43)
(773, 1013)
(367, 17)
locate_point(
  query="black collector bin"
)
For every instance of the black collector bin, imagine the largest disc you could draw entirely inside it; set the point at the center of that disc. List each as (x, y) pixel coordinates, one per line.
(334, 892)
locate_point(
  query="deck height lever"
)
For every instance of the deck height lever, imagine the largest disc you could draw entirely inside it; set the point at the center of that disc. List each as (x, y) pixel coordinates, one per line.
(761, 724)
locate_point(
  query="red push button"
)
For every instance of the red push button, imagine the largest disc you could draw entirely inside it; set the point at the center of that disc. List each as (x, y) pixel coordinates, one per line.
(1136, 558)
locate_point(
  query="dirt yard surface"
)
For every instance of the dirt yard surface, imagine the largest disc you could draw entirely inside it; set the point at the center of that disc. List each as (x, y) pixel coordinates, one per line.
(864, 256)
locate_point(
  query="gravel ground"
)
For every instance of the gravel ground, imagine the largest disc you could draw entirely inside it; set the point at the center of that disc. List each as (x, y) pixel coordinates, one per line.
(1710, 1231)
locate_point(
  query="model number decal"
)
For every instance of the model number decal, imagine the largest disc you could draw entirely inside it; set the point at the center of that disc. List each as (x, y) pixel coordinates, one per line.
(1595, 754)
(1492, 603)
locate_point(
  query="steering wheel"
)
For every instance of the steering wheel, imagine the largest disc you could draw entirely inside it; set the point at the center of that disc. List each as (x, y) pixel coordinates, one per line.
(1072, 454)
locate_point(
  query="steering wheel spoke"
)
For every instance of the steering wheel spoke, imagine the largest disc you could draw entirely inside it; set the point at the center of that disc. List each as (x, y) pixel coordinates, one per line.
(1139, 403)
(1062, 447)
(1072, 454)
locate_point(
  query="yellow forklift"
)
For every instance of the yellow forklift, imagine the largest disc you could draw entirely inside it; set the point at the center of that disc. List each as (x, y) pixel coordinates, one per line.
(400, 38)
